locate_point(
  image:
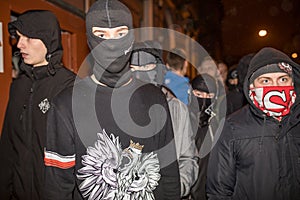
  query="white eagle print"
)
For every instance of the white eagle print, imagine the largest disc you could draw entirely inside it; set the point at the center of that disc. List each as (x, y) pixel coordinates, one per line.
(111, 173)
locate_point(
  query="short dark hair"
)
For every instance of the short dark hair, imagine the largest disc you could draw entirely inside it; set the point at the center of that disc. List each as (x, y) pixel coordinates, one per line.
(176, 59)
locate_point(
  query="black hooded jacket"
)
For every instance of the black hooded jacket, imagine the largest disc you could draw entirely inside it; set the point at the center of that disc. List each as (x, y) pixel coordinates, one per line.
(256, 156)
(23, 135)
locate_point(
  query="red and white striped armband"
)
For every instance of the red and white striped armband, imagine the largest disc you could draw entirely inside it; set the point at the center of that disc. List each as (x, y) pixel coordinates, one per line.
(53, 159)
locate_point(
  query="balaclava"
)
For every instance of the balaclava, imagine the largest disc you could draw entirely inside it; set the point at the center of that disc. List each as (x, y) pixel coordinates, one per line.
(111, 56)
(274, 101)
(149, 52)
(208, 84)
(43, 25)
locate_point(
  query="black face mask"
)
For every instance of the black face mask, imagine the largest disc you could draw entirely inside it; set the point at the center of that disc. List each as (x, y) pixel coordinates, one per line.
(231, 87)
(146, 76)
(112, 58)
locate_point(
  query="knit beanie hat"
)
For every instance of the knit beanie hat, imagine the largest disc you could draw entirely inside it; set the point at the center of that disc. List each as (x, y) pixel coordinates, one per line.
(232, 74)
(205, 83)
(147, 52)
(269, 60)
(272, 68)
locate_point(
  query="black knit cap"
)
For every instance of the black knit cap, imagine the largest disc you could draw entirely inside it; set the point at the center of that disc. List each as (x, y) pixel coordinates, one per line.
(232, 74)
(147, 52)
(269, 60)
(204, 83)
(272, 68)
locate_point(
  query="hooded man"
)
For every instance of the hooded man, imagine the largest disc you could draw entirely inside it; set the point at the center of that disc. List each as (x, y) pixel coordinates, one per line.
(206, 90)
(41, 77)
(235, 97)
(147, 65)
(111, 135)
(257, 154)
(147, 62)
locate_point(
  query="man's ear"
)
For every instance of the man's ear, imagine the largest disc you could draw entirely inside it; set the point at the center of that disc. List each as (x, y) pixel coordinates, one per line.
(184, 68)
(186, 64)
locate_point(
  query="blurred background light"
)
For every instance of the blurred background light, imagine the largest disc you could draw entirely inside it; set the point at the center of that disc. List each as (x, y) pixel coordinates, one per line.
(262, 33)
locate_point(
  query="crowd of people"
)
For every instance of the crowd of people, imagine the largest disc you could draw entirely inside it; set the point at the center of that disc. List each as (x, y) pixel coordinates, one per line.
(138, 128)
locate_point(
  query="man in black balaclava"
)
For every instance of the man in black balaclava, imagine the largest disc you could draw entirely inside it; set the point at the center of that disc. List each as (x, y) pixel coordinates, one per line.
(147, 65)
(111, 136)
(42, 76)
(206, 90)
(147, 62)
(110, 38)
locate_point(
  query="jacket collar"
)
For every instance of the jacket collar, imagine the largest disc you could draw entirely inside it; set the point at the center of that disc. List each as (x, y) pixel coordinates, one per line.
(40, 72)
(35, 73)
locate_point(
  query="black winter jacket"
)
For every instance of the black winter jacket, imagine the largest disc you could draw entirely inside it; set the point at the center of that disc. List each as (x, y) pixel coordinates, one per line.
(256, 156)
(127, 112)
(24, 131)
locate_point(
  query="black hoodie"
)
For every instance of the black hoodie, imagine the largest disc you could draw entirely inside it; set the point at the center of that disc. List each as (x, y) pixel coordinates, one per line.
(23, 135)
(256, 156)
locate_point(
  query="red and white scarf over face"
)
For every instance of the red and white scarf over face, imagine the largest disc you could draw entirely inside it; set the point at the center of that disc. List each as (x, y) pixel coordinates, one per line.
(275, 101)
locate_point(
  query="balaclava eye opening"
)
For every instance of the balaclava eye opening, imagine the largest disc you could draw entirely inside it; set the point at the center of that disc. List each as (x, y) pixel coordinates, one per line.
(145, 53)
(111, 56)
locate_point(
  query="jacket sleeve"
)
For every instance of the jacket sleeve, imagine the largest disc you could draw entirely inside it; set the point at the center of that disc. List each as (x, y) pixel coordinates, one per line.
(221, 174)
(169, 184)
(6, 159)
(185, 145)
(7, 154)
(60, 157)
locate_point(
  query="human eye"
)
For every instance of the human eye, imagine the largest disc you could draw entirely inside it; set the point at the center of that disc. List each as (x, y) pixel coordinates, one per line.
(263, 81)
(196, 93)
(211, 95)
(99, 34)
(122, 33)
(286, 78)
(283, 79)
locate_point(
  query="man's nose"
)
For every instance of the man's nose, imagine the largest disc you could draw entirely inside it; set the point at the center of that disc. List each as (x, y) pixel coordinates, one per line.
(21, 43)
